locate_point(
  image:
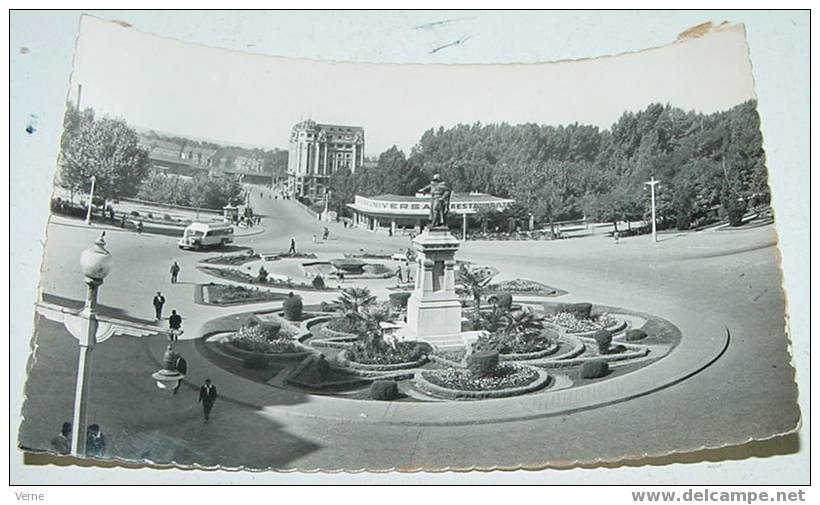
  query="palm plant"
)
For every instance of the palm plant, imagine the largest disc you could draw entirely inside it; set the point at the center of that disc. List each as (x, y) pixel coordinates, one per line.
(354, 300)
(523, 325)
(473, 282)
(371, 331)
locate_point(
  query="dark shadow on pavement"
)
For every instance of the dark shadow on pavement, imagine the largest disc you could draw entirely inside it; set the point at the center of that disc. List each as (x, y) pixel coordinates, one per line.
(145, 425)
(103, 310)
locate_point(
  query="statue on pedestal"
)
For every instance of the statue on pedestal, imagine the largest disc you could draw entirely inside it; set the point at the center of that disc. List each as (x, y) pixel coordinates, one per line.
(439, 201)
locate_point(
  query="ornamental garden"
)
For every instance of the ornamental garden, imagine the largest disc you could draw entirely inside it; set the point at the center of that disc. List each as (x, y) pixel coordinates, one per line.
(517, 338)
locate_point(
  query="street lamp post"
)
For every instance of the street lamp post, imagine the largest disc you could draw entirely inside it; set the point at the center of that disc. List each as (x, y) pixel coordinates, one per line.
(96, 263)
(652, 183)
(90, 200)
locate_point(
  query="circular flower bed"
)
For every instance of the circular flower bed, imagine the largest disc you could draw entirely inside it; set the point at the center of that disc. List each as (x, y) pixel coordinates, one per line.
(460, 384)
(507, 375)
(264, 339)
(542, 344)
(397, 353)
(574, 324)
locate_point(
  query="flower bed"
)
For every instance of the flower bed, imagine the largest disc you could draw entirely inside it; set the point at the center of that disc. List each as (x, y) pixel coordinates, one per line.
(239, 276)
(458, 384)
(518, 349)
(232, 259)
(400, 353)
(507, 376)
(523, 287)
(224, 294)
(573, 324)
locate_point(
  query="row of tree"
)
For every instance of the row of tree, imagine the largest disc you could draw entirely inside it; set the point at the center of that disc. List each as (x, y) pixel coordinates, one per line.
(109, 150)
(203, 190)
(710, 165)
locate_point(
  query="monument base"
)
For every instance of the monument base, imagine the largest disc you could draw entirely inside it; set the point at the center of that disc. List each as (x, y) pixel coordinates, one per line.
(433, 317)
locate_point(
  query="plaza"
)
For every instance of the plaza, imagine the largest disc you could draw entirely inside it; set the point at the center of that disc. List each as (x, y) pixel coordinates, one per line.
(720, 287)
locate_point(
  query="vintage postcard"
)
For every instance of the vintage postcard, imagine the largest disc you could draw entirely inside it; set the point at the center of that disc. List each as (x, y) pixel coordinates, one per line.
(277, 264)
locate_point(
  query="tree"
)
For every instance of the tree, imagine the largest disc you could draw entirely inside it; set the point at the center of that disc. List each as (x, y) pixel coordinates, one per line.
(216, 191)
(107, 149)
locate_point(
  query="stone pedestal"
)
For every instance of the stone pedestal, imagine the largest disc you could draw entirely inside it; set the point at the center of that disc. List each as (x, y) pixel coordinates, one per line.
(434, 310)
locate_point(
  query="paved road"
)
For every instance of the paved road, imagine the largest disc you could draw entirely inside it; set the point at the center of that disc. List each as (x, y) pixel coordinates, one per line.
(729, 275)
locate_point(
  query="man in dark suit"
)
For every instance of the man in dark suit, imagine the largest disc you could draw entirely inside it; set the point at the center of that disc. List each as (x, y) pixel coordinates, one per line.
(175, 323)
(159, 301)
(207, 395)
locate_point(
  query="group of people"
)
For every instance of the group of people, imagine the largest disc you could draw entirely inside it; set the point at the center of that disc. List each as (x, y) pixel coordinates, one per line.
(174, 320)
(95, 441)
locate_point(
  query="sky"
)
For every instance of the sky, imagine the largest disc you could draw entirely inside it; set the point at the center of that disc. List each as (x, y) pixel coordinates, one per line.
(254, 100)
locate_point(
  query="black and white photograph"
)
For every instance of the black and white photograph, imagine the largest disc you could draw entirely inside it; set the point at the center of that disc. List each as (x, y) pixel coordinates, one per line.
(256, 262)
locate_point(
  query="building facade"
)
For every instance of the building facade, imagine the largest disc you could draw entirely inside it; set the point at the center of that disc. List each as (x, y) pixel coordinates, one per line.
(398, 212)
(317, 151)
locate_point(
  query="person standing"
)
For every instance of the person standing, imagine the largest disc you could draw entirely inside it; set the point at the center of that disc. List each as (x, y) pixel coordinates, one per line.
(181, 366)
(175, 324)
(62, 441)
(207, 396)
(159, 301)
(616, 236)
(292, 249)
(95, 441)
(174, 272)
(399, 274)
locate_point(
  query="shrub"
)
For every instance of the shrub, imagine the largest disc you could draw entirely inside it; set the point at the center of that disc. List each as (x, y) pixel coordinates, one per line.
(167, 217)
(150, 216)
(326, 307)
(255, 362)
(135, 213)
(579, 310)
(399, 300)
(603, 339)
(318, 282)
(262, 275)
(385, 390)
(482, 363)
(594, 369)
(292, 307)
(633, 335)
(504, 301)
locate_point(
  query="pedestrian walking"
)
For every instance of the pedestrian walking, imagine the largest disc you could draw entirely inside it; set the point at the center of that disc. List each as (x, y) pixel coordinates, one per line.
(122, 221)
(140, 226)
(616, 236)
(181, 366)
(292, 249)
(314, 238)
(207, 396)
(175, 324)
(61, 443)
(399, 274)
(159, 301)
(174, 272)
(341, 276)
(95, 441)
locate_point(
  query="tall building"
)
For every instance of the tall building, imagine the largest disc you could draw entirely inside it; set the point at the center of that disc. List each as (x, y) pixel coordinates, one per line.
(317, 151)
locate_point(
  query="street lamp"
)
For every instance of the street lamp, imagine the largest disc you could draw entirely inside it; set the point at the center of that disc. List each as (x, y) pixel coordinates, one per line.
(168, 376)
(90, 200)
(652, 183)
(96, 263)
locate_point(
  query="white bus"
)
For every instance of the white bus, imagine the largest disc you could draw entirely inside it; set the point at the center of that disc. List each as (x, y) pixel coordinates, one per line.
(202, 235)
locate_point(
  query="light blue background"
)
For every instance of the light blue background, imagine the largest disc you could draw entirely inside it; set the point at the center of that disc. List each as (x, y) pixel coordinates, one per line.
(779, 49)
